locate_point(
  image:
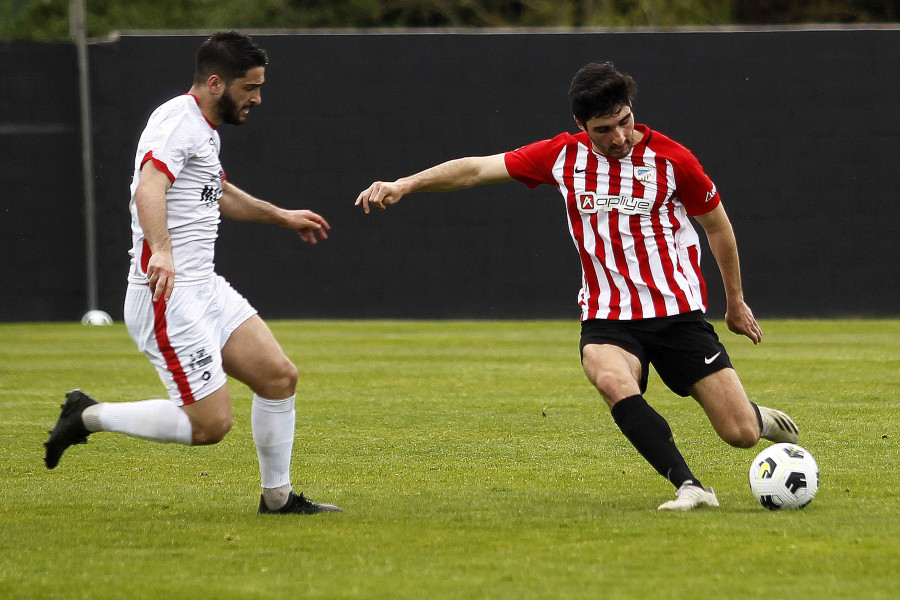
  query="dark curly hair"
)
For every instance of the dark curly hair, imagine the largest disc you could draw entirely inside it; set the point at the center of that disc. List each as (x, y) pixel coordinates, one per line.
(598, 90)
(229, 55)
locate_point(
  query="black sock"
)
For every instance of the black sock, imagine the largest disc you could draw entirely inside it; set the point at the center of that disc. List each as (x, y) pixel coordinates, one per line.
(651, 435)
(758, 416)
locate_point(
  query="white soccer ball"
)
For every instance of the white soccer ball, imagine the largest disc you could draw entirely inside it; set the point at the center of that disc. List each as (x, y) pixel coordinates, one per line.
(96, 317)
(784, 476)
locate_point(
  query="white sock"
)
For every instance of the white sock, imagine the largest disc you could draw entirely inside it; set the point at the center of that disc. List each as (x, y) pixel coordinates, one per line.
(272, 423)
(155, 420)
(275, 498)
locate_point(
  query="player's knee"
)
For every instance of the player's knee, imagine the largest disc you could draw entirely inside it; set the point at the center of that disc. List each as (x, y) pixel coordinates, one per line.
(285, 379)
(614, 385)
(212, 431)
(280, 380)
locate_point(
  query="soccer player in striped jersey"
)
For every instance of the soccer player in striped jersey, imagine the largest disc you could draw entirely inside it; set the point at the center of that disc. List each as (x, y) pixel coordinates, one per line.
(628, 193)
(191, 324)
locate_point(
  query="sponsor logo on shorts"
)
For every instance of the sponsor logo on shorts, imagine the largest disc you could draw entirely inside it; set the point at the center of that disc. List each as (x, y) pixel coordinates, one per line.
(199, 359)
(709, 360)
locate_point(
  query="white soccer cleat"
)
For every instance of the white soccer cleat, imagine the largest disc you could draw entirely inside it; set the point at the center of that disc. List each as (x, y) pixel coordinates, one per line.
(690, 496)
(777, 426)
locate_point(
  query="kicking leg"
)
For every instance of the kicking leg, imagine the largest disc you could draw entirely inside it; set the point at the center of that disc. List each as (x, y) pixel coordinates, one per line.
(736, 419)
(203, 422)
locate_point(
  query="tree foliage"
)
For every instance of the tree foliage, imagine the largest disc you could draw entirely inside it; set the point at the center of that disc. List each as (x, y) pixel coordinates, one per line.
(47, 20)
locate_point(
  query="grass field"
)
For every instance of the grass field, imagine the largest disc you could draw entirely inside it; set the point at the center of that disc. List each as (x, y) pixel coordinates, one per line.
(473, 460)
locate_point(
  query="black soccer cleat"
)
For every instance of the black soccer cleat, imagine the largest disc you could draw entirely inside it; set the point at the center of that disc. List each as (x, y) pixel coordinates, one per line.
(69, 428)
(297, 505)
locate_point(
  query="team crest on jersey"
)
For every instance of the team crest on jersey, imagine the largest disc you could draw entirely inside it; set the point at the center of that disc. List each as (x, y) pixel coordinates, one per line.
(643, 173)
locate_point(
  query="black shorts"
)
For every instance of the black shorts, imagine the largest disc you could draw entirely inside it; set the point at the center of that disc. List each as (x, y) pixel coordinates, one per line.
(683, 348)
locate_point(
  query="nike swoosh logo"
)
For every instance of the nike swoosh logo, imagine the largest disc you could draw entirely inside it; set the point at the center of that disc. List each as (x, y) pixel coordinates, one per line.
(577, 170)
(711, 358)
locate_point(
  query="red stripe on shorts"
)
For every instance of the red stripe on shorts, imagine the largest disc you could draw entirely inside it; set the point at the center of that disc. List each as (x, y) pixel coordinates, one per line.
(160, 327)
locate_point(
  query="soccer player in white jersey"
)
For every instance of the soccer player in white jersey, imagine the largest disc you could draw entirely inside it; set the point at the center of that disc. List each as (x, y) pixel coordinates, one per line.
(192, 325)
(628, 192)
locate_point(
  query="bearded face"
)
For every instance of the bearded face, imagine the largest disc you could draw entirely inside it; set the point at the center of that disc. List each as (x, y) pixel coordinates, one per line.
(240, 95)
(230, 111)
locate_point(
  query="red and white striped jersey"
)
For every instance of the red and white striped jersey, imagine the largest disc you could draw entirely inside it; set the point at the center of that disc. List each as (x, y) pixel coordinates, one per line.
(628, 217)
(184, 145)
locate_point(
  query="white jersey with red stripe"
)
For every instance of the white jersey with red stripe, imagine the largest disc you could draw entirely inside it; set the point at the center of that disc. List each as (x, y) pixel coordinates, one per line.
(184, 145)
(628, 217)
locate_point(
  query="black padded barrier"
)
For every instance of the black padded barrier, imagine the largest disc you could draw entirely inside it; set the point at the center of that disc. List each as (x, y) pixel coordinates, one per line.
(799, 130)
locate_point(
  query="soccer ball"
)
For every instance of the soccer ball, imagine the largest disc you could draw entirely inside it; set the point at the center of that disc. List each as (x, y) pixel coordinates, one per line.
(96, 317)
(784, 476)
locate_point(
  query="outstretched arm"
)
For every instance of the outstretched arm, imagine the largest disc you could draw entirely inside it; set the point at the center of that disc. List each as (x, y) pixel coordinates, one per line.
(723, 245)
(451, 175)
(237, 204)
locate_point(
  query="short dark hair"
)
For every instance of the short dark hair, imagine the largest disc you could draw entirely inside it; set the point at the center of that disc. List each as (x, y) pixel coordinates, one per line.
(598, 90)
(229, 55)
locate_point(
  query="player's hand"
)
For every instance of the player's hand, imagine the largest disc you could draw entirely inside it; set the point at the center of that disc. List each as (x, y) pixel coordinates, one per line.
(740, 320)
(161, 275)
(310, 226)
(380, 194)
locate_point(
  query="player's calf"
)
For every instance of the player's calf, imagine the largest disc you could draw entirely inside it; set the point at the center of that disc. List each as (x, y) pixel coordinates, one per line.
(742, 434)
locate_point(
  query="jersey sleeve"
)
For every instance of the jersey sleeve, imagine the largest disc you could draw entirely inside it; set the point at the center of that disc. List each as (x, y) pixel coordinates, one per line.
(533, 164)
(169, 144)
(694, 188)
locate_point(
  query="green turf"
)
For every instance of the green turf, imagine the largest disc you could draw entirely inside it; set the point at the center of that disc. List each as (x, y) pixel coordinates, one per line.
(473, 460)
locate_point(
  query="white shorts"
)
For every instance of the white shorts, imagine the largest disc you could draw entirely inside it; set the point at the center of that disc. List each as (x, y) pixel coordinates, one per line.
(184, 337)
